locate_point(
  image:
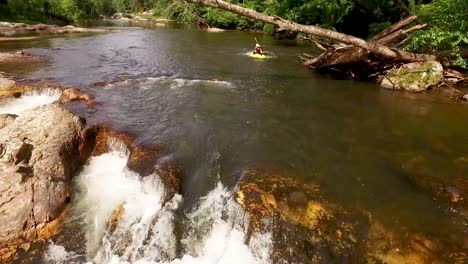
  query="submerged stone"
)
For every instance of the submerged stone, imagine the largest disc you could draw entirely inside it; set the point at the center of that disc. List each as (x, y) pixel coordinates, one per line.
(306, 227)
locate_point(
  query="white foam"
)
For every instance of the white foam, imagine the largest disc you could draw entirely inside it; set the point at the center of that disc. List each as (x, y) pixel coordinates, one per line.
(58, 254)
(145, 232)
(28, 101)
(175, 83)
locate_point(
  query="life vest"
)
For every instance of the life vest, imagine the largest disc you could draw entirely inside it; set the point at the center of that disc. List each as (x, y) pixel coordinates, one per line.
(258, 50)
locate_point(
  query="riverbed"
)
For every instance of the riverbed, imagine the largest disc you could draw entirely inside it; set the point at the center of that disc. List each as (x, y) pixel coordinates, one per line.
(217, 111)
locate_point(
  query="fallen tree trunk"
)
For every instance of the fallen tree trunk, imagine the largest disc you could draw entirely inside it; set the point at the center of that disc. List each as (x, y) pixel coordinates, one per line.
(394, 28)
(373, 47)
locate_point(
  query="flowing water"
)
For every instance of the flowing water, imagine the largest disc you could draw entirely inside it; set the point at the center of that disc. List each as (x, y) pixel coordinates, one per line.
(218, 111)
(27, 101)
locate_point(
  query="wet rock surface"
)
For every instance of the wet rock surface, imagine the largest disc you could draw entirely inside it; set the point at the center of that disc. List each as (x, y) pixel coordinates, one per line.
(38, 158)
(306, 227)
(387, 246)
(75, 94)
(452, 191)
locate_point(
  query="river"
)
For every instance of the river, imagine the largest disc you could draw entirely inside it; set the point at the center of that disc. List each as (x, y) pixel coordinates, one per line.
(217, 110)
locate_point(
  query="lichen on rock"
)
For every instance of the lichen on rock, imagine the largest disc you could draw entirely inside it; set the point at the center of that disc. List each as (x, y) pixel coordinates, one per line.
(414, 77)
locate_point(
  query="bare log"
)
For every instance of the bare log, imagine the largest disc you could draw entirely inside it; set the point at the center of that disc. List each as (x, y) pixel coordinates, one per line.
(448, 53)
(398, 34)
(283, 24)
(394, 27)
(403, 42)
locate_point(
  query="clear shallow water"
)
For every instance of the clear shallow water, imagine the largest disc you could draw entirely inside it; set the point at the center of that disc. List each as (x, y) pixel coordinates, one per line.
(217, 110)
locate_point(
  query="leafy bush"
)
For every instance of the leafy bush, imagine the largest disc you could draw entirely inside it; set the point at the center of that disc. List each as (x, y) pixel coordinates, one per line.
(448, 29)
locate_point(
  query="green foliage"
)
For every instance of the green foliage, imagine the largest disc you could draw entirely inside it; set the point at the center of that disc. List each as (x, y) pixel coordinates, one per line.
(327, 13)
(220, 18)
(182, 11)
(448, 29)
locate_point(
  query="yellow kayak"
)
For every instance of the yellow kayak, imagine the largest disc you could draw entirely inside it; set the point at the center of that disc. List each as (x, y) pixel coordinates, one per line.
(258, 56)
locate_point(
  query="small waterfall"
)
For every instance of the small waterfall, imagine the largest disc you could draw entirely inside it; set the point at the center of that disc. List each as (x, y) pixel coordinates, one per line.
(215, 228)
(29, 100)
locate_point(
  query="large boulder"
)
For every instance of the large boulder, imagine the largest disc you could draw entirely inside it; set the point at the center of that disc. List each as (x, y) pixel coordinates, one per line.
(414, 77)
(39, 152)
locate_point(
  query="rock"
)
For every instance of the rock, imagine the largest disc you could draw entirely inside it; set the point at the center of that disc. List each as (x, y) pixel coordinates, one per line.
(126, 17)
(444, 189)
(18, 57)
(465, 97)
(212, 29)
(73, 94)
(6, 119)
(414, 77)
(9, 29)
(306, 227)
(39, 155)
(387, 246)
(18, 90)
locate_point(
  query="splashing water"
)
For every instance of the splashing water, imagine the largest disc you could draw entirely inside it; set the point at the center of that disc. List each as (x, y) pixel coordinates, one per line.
(28, 101)
(145, 233)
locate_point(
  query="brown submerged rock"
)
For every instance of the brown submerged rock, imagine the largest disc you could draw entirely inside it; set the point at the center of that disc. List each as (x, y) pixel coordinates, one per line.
(386, 246)
(306, 227)
(75, 94)
(39, 155)
(451, 190)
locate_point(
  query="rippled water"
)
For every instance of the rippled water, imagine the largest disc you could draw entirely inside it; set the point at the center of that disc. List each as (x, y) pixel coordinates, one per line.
(218, 110)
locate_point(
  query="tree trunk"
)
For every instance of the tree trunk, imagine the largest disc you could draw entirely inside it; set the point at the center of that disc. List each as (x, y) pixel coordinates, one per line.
(373, 47)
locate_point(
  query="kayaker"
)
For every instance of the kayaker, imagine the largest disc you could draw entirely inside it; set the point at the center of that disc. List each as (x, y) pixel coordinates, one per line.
(258, 49)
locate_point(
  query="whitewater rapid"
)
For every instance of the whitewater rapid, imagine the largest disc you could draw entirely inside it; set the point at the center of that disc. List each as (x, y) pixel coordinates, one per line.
(28, 101)
(145, 233)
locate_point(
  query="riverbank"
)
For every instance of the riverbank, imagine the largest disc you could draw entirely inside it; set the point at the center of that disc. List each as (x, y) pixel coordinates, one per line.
(12, 29)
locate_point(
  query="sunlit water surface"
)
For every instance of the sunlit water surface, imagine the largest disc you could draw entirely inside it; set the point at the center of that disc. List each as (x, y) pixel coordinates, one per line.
(217, 111)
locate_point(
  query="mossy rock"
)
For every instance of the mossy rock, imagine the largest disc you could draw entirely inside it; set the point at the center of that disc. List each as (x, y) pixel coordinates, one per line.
(414, 77)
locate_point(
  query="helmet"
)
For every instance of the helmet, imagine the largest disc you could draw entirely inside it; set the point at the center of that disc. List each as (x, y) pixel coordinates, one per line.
(257, 45)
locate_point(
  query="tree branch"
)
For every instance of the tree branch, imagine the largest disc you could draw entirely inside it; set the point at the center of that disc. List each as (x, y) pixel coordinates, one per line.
(313, 30)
